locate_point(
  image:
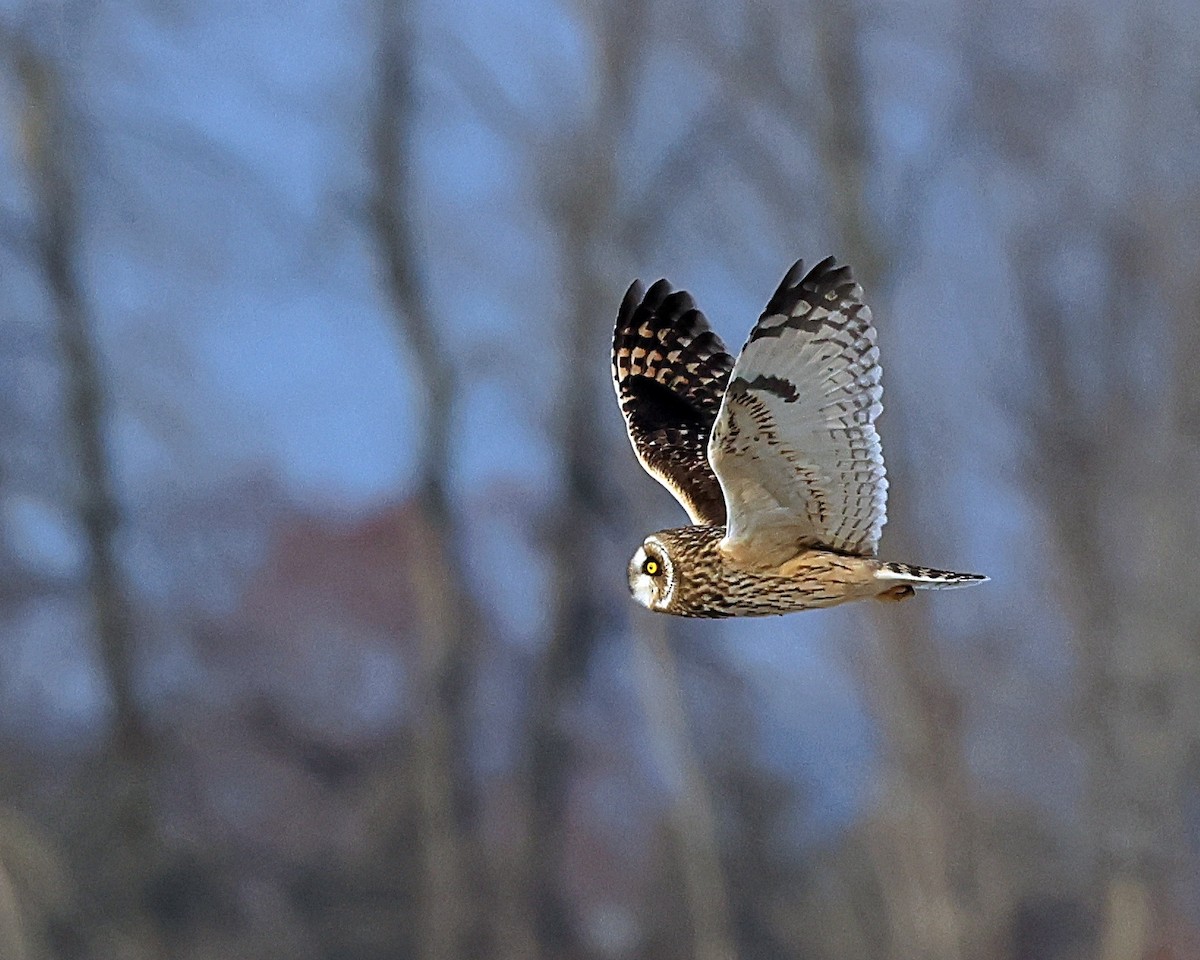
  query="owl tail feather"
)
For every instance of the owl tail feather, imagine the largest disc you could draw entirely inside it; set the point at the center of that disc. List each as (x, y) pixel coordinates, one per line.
(923, 578)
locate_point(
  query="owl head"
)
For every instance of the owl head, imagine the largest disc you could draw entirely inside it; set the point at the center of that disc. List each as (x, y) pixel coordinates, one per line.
(652, 576)
(682, 571)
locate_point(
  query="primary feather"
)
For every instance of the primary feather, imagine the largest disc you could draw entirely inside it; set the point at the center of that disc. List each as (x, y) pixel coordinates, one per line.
(775, 457)
(670, 372)
(795, 447)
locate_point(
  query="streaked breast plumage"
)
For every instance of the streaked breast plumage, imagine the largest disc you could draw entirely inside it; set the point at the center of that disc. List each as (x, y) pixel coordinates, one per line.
(774, 456)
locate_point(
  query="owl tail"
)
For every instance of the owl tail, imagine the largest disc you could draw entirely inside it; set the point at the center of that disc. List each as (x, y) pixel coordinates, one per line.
(923, 578)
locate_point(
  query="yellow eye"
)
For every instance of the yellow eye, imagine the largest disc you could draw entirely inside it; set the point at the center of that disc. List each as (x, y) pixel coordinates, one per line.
(651, 567)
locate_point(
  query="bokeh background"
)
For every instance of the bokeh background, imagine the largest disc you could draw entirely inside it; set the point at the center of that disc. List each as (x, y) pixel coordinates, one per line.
(315, 502)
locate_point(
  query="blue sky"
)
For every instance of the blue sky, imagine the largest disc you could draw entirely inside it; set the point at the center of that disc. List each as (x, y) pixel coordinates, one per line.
(244, 323)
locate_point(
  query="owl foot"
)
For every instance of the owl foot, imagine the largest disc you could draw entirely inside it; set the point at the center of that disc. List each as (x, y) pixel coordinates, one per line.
(902, 591)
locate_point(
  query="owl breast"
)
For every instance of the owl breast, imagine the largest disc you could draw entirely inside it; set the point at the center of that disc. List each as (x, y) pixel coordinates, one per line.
(710, 583)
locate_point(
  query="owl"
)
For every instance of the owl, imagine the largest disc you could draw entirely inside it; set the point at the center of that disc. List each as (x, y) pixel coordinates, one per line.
(774, 456)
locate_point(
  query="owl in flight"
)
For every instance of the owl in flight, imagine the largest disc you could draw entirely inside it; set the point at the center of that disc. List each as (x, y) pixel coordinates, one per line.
(774, 456)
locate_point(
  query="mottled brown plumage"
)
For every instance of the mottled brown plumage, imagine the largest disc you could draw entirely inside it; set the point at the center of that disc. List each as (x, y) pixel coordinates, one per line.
(697, 578)
(775, 457)
(670, 372)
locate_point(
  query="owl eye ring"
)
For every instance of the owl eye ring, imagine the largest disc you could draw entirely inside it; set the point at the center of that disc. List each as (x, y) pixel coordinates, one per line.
(774, 454)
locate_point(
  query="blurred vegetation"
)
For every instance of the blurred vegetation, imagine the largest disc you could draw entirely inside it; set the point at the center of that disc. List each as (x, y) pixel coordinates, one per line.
(434, 725)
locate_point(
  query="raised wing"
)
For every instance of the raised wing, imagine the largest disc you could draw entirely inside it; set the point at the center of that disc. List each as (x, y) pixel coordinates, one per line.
(670, 371)
(794, 445)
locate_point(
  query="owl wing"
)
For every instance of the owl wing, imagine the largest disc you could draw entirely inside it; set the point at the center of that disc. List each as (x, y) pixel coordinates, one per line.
(794, 446)
(670, 372)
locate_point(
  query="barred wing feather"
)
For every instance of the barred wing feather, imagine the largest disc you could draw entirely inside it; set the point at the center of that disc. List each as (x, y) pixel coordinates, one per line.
(794, 446)
(670, 372)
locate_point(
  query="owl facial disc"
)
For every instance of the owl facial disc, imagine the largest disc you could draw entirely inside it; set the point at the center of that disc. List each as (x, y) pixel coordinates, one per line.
(651, 576)
(641, 584)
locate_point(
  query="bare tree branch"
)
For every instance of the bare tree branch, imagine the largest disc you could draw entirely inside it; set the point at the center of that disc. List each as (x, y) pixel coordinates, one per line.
(693, 820)
(1107, 467)
(449, 916)
(51, 157)
(924, 854)
(585, 201)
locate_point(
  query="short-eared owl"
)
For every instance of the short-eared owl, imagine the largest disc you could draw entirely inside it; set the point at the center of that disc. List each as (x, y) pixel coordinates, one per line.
(775, 456)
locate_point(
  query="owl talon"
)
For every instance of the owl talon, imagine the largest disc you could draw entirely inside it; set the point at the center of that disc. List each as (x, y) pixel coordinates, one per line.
(902, 591)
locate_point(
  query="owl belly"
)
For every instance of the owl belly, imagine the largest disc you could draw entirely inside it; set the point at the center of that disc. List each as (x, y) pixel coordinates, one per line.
(810, 580)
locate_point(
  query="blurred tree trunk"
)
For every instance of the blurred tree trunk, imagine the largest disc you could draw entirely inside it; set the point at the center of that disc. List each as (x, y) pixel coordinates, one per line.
(1117, 483)
(693, 821)
(1113, 462)
(451, 858)
(586, 200)
(924, 839)
(582, 195)
(126, 834)
(12, 934)
(583, 208)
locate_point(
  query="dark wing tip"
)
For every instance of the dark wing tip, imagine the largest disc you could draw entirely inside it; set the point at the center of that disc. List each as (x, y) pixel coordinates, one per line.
(676, 307)
(658, 292)
(793, 275)
(828, 273)
(790, 279)
(673, 336)
(633, 296)
(661, 306)
(707, 344)
(825, 276)
(639, 298)
(670, 370)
